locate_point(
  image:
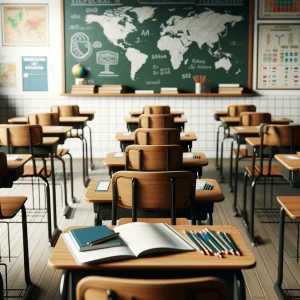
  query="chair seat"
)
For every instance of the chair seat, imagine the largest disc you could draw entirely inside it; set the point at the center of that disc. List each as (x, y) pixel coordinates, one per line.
(62, 151)
(243, 153)
(209, 196)
(10, 205)
(76, 134)
(275, 170)
(28, 170)
(179, 221)
(249, 170)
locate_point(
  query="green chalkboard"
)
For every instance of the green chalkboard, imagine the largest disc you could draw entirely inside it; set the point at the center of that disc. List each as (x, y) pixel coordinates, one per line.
(152, 44)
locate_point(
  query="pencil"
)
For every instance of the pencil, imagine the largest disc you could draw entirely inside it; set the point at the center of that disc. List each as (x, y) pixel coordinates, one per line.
(212, 241)
(211, 245)
(226, 242)
(200, 242)
(207, 247)
(194, 241)
(110, 237)
(232, 243)
(217, 239)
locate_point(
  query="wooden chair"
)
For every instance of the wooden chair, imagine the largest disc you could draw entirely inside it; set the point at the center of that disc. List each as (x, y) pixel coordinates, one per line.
(274, 139)
(153, 191)
(100, 287)
(73, 111)
(9, 207)
(233, 110)
(157, 136)
(246, 119)
(66, 110)
(22, 139)
(52, 119)
(156, 109)
(156, 121)
(153, 158)
(44, 119)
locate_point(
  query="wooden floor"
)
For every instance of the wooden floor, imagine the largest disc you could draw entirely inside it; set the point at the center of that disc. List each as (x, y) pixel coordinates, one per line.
(259, 281)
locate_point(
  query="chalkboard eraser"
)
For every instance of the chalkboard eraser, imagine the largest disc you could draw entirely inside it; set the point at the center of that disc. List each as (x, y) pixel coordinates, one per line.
(144, 91)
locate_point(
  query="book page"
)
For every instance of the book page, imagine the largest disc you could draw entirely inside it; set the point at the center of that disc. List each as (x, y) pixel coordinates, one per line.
(99, 255)
(144, 238)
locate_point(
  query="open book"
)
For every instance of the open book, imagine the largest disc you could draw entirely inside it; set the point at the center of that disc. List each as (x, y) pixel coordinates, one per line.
(138, 239)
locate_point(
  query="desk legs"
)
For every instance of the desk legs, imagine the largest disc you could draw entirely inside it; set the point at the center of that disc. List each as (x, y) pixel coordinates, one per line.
(85, 173)
(29, 285)
(230, 166)
(278, 283)
(56, 232)
(217, 147)
(92, 166)
(68, 209)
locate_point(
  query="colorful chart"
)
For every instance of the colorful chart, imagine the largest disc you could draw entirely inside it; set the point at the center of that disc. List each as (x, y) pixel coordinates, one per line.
(278, 57)
(282, 6)
(279, 9)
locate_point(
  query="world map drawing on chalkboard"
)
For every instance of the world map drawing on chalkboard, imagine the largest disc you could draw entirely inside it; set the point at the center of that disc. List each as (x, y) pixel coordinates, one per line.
(176, 35)
(153, 46)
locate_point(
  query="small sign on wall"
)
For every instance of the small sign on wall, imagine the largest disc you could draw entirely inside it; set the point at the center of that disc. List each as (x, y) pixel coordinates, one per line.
(34, 73)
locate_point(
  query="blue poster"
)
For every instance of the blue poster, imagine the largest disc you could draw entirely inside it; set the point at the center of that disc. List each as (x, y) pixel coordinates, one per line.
(35, 75)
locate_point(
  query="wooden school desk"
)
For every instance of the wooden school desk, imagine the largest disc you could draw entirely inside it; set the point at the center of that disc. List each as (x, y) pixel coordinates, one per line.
(204, 202)
(193, 164)
(91, 115)
(23, 120)
(62, 133)
(228, 122)
(79, 123)
(290, 205)
(186, 264)
(18, 120)
(240, 133)
(57, 131)
(186, 140)
(135, 114)
(133, 123)
(47, 149)
(15, 168)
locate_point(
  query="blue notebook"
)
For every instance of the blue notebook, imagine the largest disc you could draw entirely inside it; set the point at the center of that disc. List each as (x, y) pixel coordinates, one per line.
(82, 236)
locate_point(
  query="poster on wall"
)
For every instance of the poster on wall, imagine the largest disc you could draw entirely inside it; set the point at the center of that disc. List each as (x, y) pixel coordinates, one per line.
(279, 9)
(278, 63)
(7, 75)
(24, 24)
(34, 73)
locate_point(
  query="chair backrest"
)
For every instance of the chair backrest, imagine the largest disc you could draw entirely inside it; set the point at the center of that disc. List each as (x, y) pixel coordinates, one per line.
(156, 109)
(14, 136)
(153, 190)
(254, 118)
(153, 158)
(66, 110)
(100, 287)
(281, 136)
(157, 136)
(235, 110)
(156, 121)
(44, 119)
(278, 139)
(21, 139)
(3, 166)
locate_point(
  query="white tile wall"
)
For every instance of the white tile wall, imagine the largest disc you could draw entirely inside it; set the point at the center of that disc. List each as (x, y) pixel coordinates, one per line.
(110, 114)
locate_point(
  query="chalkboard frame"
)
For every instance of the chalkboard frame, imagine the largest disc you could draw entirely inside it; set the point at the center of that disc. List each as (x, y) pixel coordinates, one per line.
(247, 90)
